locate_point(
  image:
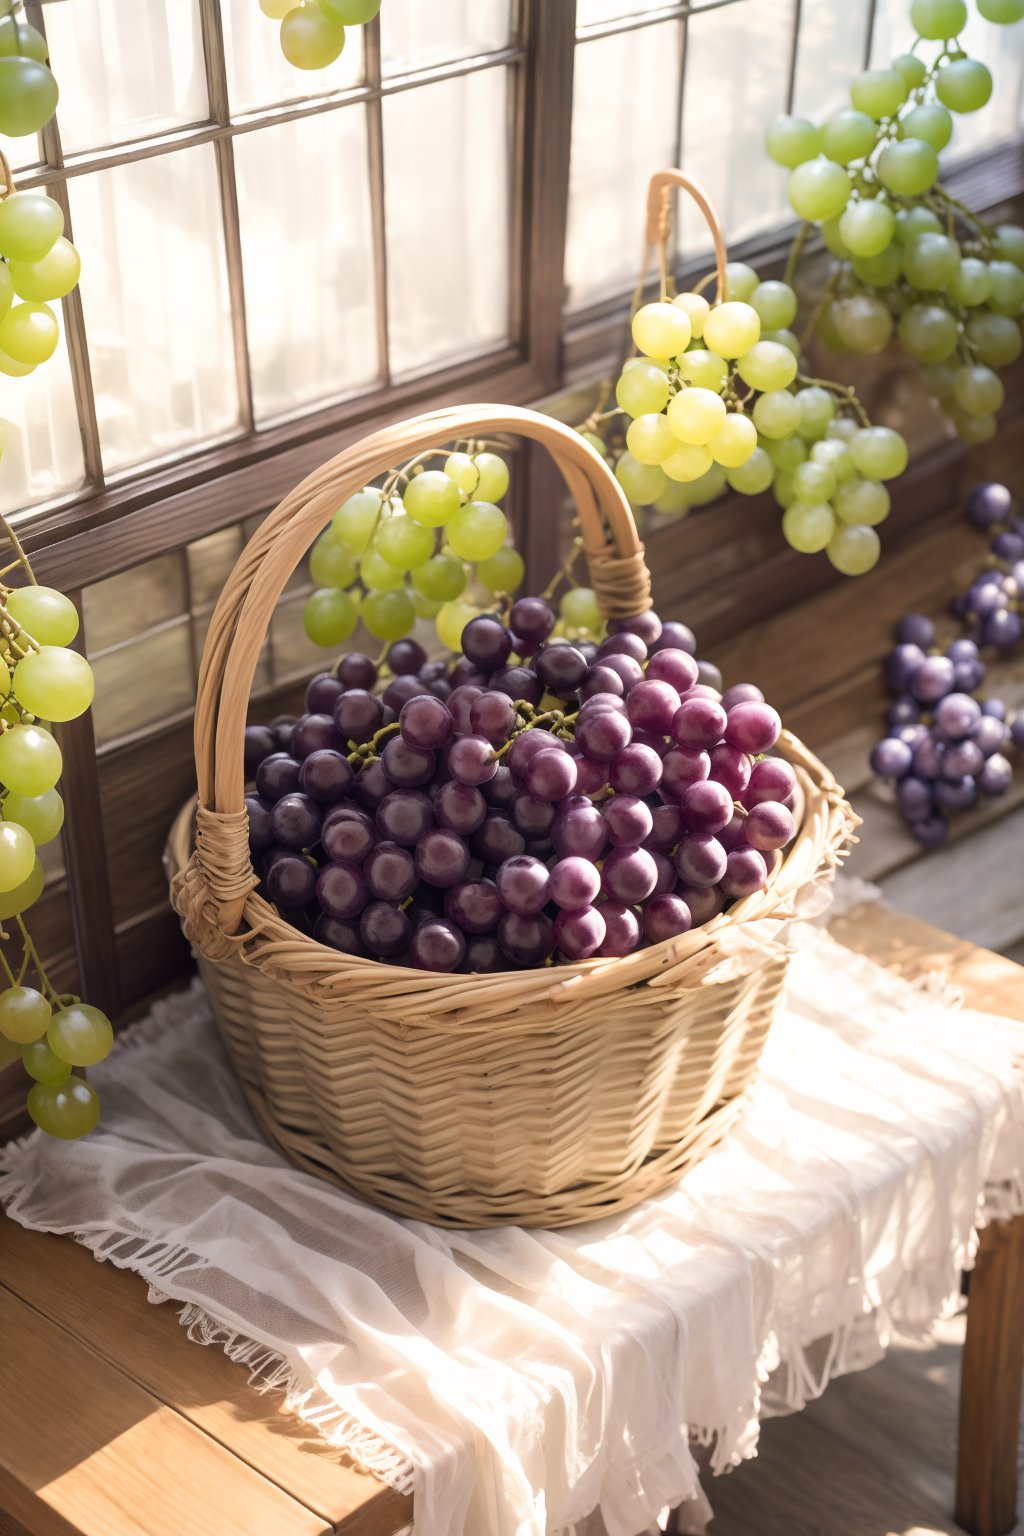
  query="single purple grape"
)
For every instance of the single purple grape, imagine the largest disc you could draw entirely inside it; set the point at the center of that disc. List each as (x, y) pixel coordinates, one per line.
(471, 760)
(745, 872)
(741, 693)
(474, 905)
(341, 889)
(704, 902)
(484, 955)
(891, 758)
(486, 642)
(282, 727)
(904, 711)
(730, 768)
(1002, 629)
(357, 715)
(637, 770)
(459, 807)
(518, 683)
(681, 767)
(561, 668)
(652, 706)
(582, 831)
(295, 821)
(988, 504)
(531, 618)
(995, 775)
(600, 701)
(289, 879)
(526, 940)
(591, 775)
(769, 826)
(962, 649)
(574, 883)
(523, 884)
(914, 797)
(403, 816)
(579, 932)
(550, 775)
(674, 637)
(261, 836)
(933, 679)
(666, 828)
(734, 833)
(384, 929)
(326, 776)
(956, 797)
(497, 840)
(1016, 729)
(390, 872)
(357, 671)
(1008, 546)
(990, 735)
(339, 933)
(927, 758)
(628, 820)
(968, 675)
(665, 877)
(601, 679)
(347, 834)
(994, 707)
(493, 716)
(646, 625)
(629, 874)
(710, 677)
(629, 672)
(534, 818)
(405, 766)
(665, 917)
(700, 859)
(930, 831)
(623, 644)
(902, 662)
(964, 757)
(400, 690)
(700, 722)
(957, 716)
(621, 930)
(311, 733)
(277, 776)
(706, 807)
(916, 629)
(500, 790)
(675, 667)
(426, 723)
(372, 784)
(259, 744)
(603, 734)
(405, 656)
(463, 674)
(460, 702)
(753, 727)
(437, 945)
(442, 858)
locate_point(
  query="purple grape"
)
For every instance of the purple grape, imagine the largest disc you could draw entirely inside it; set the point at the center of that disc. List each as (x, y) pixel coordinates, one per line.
(259, 744)
(459, 807)
(591, 775)
(437, 945)
(282, 727)
(916, 629)
(902, 662)
(1002, 629)
(347, 834)
(493, 716)
(699, 722)
(534, 818)
(400, 690)
(700, 859)
(602, 679)
(405, 766)
(582, 831)
(704, 902)
(339, 933)
(1008, 546)
(770, 779)
(277, 776)
(646, 625)
(471, 760)
(484, 955)
(384, 929)
(261, 836)
(769, 826)
(681, 767)
(990, 735)
(1016, 728)
(442, 858)
(730, 768)
(995, 775)
(295, 821)
(561, 668)
(965, 757)
(312, 733)
(603, 734)
(914, 797)
(956, 797)
(933, 679)
(441, 689)
(636, 771)
(502, 789)
(968, 675)
(962, 649)
(927, 758)
(994, 707)
(905, 711)
(404, 815)
(426, 723)
(753, 727)
(665, 917)
(372, 784)
(741, 693)
(474, 905)
(666, 829)
(665, 878)
(550, 775)
(357, 671)
(326, 776)
(518, 683)
(288, 878)
(462, 673)
(532, 618)
(497, 840)
(706, 807)
(674, 637)
(891, 758)
(602, 701)
(621, 930)
(429, 903)
(629, 875)
(486, 642)
(579, 932)
(406, 656)
(984, 597)
(523, 884)
(652, 706)
(574, 883)
(357, 715)
(709, 675)
(623, 644)
(390, 872)
(930, 830)
(745, 872)
(629, 672)
(988, 504)
(460, 701)
(526, 940)
(628, 820)
(677, 668)
(341, 889)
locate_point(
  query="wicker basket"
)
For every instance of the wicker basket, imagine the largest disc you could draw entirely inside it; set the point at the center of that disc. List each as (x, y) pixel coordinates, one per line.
(541, 1097)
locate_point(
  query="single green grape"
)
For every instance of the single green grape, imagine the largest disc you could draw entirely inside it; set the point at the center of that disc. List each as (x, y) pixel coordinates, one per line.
(388, 615)
(579, 609)
(330, 616)
(836, 457)
(352, 13)
(378, 574)
(777, 413)
(17, 855)
(310, 39)
(731, 329)
(1010, 239)
(674, 501)
(1007, 296)
(817, 408)
(965, 85)
(908, 167)
(842, 428)
(431, 498)
(753, 477)
(853, 550)
(595, 441)
(995, 338)
(68, 1111)
(938, 20)
(813, 482)
(29, 333)
(13, 368)
(783, 490)
(862, 501)
(704, 369)
(1003, 12)
(441, 579)
(13, 903)
(978, 390)
(832, 234)
(928, 332)
(642, 389)
(275, 9)
(912, 70)
(971, 283)
(826, 331)
(28, 98)
(355, 520)
(426, 607)
(42, 816)
(494, 477)
(931, 261)
(930, 122)
(818, 190)
(80, 1034)
(707, 488)
(696, 307)
(503, 571)
(767, 366)
(882, 270)
(478, 530)
(53, 276)
(21, 38)
(650, 439)
(642, 483)
(916, 221)
(975, 430)
(863, 323)
(776, 305)
(740, 280)
(53, 683)
(40, 1062)
(461, 468)
(808, 528)
(403, 543)
(695, 415)
(787, 452)
(867, 227)
(848, 135)
(734, 442)
(330, 563)
(687, 461)
(49, 616)
(878, 92)
(24, 1014)
(792, 140)
(30, 760)
(661, 330)
(785, 338)
(30, 223)
(879, 453)
(451, 621)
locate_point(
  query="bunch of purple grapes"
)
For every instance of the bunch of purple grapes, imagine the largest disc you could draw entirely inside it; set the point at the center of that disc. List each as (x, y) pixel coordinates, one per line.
(530, 800)
(946, 748)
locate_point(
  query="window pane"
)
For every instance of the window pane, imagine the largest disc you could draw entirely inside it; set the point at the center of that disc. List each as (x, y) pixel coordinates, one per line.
(259, 73)
(448, 239)
(304, 212)
(154, 289)
(39, 436)
(126, 71)
(619, 139)
(723, 126)
(830, 53)
(590, 13)
(414, 35)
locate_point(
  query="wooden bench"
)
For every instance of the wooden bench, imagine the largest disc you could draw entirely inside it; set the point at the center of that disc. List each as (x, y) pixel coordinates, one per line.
(113, 1424)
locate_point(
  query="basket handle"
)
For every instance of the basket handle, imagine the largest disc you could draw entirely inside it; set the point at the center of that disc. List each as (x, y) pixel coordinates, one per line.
(615, 558)
(659, 222)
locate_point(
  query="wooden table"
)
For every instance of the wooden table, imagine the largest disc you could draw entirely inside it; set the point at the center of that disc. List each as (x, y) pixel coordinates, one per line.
(113, 1424)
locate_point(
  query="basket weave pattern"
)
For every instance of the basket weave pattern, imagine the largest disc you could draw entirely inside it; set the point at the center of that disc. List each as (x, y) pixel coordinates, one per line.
(541, 1097)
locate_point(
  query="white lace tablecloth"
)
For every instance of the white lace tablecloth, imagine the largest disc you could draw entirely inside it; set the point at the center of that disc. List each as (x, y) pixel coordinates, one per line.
(519, 1381)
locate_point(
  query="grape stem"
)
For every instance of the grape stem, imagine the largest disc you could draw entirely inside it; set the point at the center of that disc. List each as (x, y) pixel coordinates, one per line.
(844, 392)
(795, 252)
(30, 952)
(815, 314)
(566, 572)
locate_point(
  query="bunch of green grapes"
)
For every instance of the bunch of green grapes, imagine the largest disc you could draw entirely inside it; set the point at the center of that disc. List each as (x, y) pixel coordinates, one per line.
(389, 558)
(913, 263)
(313, 31)
(717, 399)
(38, 265)
(28, 91)
(41, 681)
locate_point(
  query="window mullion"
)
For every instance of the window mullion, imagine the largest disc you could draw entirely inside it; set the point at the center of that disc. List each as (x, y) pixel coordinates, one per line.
(375, 172)
(546, 103)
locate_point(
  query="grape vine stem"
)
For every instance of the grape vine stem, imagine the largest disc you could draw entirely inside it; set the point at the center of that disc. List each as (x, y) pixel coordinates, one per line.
(844, 392)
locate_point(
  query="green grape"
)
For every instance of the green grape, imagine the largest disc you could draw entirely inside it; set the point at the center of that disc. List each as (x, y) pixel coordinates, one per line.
(863, 323)
(388, 615)
(878, 92)
(593, 440)
(355, 520)
(28, 98)
(642, 389)
(403, 543)
(740, 280)
(767, 366)
(661, 330)
(853, 550)
(1010, 239)
(831, 234)
(29, 333)
(826, 331)
(940, 378)
(916, 221)
(330, 563)
(451, 621)
(352, 13)
(378, 574)
(777, 413)
(808, 528)
(974, 430)
(275, 9)
(53, 276)
(478, 530)
(40, 1062)
(494, 477)
(444, 578)
(881, 270)
(819, 190)
(426, 607)
(17, 855)
(817, 408)
(867, 227)
(688, 461)
(787, 452)
(49, 616)
(54, 683)
(776, 305)
(461, 468)
(6, 289)
(13, 369)
(849, 135)
(836, 455)
(753, 477)
(674, 500)
(650, 439)
(731, 329)
(68, 1111)
(695, 415)
(431, 498)
(930, 261)
(707, 488)
(1007, 297)
(579, 609)
(13, 903)
(995, 338)
(642, 483)
(705, 369)
(879, 453)
(784, 490)
(80, 1034)
(928, 332)
(24, 1014)
(862, 501)
(911, 68)
(310, 39)
(695, 306)
(42, 816)
(908, 167)
(930, 122)
(971, 283)
(814, 483)
(978, 391)
(842, 429)
(792, 140)
(785, 338)
(734, 442)
(1003, 12)
(965, 85)
(19, 37)
(938, 20)
(330, 616)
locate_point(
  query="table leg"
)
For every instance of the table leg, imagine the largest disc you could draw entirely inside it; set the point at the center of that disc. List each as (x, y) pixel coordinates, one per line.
(990, 1384)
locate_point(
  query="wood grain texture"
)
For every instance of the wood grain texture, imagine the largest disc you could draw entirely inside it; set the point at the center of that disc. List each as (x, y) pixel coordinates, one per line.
(990, 1386)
